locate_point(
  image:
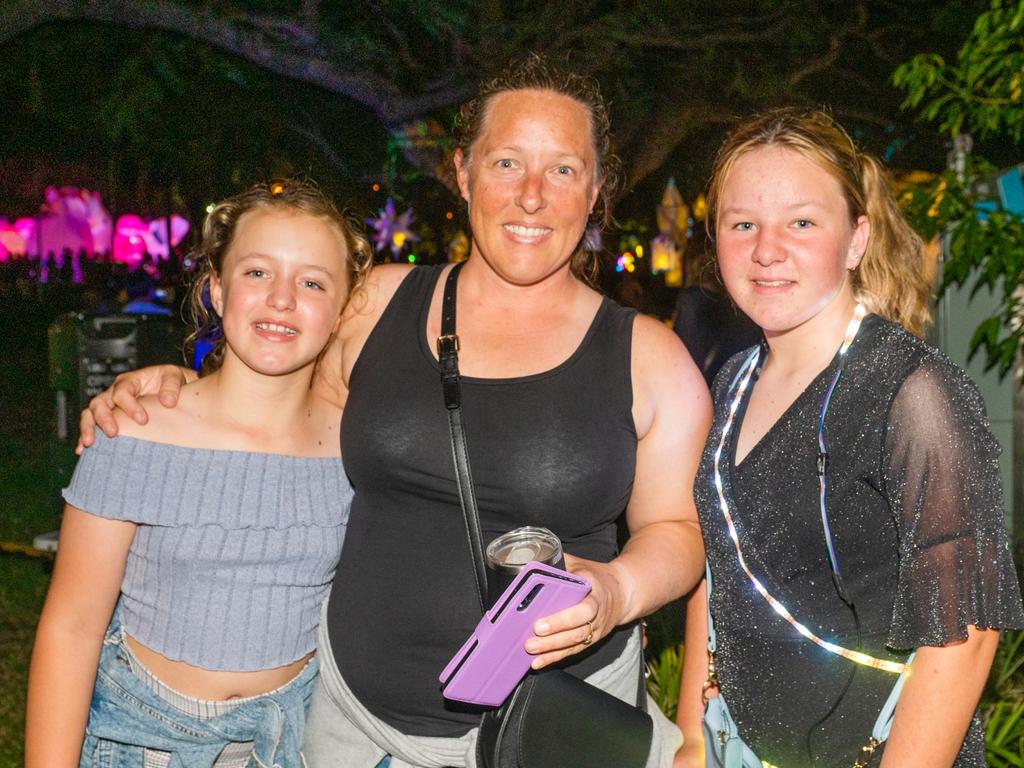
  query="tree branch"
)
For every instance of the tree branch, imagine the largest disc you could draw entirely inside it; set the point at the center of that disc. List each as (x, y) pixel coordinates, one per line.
(310, 14)
(292, 56)
(676, 121)
(699, 42)
(827, 59)
(835, 46)
(312, 132)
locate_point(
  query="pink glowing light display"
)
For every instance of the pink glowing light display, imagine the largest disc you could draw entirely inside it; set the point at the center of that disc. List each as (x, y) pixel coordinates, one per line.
(75, 219)
(12, 242)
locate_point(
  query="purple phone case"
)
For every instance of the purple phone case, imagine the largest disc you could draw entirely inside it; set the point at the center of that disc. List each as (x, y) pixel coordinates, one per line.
(493, 661)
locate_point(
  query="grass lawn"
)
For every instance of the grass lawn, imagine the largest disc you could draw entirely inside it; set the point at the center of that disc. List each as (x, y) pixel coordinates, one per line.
(22, 588)
(28, 502)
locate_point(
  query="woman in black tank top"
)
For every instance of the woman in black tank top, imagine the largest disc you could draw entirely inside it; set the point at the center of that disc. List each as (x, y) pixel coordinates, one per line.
(576, 412)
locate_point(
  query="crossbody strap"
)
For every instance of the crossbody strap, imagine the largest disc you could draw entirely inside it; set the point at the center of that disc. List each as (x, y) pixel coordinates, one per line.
(448, 355)
(711, 681)
(712, 636)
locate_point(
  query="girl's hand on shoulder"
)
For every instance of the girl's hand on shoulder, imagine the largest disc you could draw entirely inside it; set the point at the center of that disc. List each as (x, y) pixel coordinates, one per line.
(578, 627)
(165, 381)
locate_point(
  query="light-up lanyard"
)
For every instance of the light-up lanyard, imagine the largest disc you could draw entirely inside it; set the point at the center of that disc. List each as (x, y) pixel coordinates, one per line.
(745, 374)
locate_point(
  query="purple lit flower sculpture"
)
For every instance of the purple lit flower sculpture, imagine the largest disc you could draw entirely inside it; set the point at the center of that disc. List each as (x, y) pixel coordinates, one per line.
(391, 230)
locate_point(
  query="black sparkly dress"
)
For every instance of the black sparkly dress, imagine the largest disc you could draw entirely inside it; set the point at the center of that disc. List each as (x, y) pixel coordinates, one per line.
(915, 509)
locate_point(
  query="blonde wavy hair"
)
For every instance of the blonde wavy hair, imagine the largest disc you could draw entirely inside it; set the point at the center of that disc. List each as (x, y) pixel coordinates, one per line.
(298, 195)
(891, 278)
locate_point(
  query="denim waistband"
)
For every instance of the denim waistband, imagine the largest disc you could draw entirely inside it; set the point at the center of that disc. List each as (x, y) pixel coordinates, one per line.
(204, 709)
(126, 717)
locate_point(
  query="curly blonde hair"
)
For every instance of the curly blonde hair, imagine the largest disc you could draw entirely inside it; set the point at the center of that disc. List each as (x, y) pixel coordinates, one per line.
(298, 195)
(891, 278)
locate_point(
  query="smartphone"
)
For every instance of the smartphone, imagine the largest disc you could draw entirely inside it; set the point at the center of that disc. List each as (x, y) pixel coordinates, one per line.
(493, 660)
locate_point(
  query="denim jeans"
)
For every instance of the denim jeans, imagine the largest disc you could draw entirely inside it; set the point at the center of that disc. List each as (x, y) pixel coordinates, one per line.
(126, 717)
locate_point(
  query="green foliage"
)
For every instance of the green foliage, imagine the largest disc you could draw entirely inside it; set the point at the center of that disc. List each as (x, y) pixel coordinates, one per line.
(188, 97)
(1003, 703)
(982, 91)
(1004, 735)
(28, 502)
(986, 250)
(1006, 680)
(136, 114)
(663, 682)
(664, 653)
(631, 234)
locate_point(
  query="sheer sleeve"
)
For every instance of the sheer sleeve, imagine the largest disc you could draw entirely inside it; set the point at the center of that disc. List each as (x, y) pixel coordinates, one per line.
(941, 468)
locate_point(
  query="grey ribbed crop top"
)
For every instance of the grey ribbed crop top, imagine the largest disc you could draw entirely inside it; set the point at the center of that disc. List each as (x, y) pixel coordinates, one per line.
(234, 553)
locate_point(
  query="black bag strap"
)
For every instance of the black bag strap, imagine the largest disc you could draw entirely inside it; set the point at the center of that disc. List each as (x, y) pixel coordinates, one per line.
(448, 355)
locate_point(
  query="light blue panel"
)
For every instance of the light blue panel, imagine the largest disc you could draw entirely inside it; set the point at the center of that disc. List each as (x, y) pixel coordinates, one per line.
(1011, 190)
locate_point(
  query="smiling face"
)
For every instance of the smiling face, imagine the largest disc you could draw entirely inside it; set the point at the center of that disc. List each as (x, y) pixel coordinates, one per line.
(785, 239)
(530, 183)
(281, 289)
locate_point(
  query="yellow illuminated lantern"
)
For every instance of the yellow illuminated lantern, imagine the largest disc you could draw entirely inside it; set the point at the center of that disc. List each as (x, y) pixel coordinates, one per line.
(673, 213)
(674, 276)
(700, 207)
(458, 248)
(664, 254)
(667, 248)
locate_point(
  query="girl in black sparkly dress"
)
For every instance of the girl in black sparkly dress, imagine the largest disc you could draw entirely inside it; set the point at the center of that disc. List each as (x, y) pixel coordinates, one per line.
(849, 493)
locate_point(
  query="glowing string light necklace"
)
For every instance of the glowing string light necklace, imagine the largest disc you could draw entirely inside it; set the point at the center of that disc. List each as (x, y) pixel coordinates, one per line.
(745, 374)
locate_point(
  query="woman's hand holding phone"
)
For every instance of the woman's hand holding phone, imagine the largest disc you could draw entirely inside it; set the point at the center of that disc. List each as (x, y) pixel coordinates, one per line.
(563, 633)
(494, 658)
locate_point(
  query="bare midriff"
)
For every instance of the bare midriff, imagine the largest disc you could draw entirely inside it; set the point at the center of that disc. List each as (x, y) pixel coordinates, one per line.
(214, 685)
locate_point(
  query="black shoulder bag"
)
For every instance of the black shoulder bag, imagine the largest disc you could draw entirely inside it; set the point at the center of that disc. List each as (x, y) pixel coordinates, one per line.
(552, 719)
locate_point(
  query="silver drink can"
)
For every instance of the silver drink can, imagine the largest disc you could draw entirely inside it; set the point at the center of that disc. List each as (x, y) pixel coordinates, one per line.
(512, 550)
(508, 553)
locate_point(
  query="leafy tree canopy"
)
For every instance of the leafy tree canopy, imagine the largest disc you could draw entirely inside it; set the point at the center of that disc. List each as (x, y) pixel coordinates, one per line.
(980, 92)
(207, 94)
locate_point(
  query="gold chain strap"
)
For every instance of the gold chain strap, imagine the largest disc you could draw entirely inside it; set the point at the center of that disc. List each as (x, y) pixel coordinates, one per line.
(711, 681)
(867, 752)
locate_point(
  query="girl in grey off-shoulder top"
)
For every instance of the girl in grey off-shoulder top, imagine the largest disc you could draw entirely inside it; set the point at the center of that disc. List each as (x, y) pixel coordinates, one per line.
(180, 626)
(233, 552)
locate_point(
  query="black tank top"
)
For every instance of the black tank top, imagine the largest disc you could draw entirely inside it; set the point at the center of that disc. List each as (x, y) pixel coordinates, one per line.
(556, 449)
